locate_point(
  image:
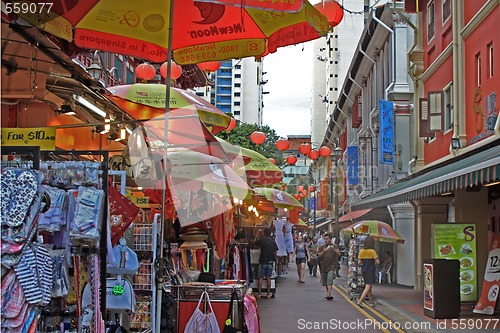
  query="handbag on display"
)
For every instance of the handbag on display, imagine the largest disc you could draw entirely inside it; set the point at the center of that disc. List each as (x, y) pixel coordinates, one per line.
(125, 259)
(120, 297)
(229, 328)
(201, 322)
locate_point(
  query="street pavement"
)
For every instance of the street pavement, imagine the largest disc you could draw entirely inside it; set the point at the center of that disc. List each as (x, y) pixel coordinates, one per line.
(301, 307)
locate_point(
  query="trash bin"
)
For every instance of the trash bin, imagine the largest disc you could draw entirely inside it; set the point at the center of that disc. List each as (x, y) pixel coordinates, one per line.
(442, 288)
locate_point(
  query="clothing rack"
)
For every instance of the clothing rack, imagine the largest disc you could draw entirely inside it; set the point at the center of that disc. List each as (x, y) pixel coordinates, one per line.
(104, 230)
(31, 154)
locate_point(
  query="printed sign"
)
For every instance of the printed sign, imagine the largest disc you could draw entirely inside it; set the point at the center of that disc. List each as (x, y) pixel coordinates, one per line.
(138, 199)
(491, 284)
(352, 165)
(428, 287)
(458, 241)
(386, 117)
(43, 137)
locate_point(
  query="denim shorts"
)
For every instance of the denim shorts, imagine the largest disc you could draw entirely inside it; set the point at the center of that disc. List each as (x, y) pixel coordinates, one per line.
(299, 261)
(265, 270)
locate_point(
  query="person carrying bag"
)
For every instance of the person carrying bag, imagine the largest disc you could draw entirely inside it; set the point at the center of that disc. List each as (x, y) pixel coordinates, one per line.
(201, 322)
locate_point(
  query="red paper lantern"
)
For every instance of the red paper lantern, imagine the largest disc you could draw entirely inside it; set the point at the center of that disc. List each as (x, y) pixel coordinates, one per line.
(300, 188)
(305, 192)
(302, 194)
(313, 154)
(175, 71)
(296, 196)
(232, 124)
(305, 148)
(272, 160)
(258, 137)
(312, 188)
(282, 144)
(210, 66)
(332, 10)
(325, 151)
(291, 160)
(145, 71)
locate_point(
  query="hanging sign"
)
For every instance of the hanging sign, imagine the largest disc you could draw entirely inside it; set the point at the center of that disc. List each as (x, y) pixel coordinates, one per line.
(352, 165)
(386, 115)
(458, 241)
(491, 284)
(43, 137)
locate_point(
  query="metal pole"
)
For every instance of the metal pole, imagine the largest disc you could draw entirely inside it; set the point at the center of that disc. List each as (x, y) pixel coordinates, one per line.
(336, 204)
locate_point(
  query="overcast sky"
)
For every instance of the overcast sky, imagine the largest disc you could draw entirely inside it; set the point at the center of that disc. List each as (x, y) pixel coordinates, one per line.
(287, 106)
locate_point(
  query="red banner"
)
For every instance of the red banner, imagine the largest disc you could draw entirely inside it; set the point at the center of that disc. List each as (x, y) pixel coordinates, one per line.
(491, 284)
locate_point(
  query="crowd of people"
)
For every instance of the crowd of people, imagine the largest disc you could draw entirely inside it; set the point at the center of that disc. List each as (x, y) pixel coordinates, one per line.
(320, 253)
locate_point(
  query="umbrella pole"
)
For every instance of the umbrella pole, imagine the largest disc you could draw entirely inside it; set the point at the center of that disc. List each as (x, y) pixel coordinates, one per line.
(164, 228)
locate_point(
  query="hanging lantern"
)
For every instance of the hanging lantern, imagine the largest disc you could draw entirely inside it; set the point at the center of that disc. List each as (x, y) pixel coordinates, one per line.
(312, 188)
(291, 160)
(282, 144)
(175, 70)
(302, 194)
(210, 66)
(305, 192)
(325, 151)
(258, 137)
(232, 124)
(305, 148)
(283, 187)
(272, 160)
(300, 188)
(296, 196)
(332, 10)
(145, 71)
(313, 154)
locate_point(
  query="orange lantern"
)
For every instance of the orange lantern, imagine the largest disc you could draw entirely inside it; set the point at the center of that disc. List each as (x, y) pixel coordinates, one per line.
(332, 10)
(210, 66)
(282, 144)
(313, 154)
(302, 194)
(312, 188)
(325, 151)
(258, 137)
(232, 124)
(296, 196)
(300, 188)
(305, 192)
(272, 160)
(175, 70)
(305, 148)
(145, 71)
(291, 160)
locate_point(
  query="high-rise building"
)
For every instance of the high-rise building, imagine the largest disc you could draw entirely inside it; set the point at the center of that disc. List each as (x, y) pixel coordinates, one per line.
(237, 88)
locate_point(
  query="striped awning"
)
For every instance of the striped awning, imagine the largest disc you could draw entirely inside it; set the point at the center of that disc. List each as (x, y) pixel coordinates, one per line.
(354, 214)
(477, 168)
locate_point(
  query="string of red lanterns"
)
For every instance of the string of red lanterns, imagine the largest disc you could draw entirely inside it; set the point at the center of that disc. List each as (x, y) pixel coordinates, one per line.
(209, 66)
(145, 71)
(291, 160)
(325, 151)
(332, 10)
(313, 154)
(232, 125)
(305, 148)
(175, 70)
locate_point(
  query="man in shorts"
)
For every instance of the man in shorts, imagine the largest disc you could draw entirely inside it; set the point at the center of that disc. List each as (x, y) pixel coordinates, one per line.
(268, 249)
(328, 256)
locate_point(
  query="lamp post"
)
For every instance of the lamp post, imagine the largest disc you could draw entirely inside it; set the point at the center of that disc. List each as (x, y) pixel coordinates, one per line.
(334, 157)
(97, 67)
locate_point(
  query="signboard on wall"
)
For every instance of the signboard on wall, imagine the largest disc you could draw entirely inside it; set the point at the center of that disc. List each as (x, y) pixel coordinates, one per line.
(352, 166)
(43, 137)
(458, 241)
(386, 119)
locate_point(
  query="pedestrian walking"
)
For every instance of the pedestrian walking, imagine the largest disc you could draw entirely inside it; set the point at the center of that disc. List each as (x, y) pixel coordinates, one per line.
(368, 259)
(268, 249)
(328, 256)
(301, 255)
(312, 262)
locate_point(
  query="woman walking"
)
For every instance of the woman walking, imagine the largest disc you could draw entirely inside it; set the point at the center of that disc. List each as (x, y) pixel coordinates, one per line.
(301, 258)
(368, 260)
(312, 262)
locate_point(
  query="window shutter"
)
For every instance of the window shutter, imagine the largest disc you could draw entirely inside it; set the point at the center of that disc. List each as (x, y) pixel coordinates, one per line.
(424, 118)
(435, 104)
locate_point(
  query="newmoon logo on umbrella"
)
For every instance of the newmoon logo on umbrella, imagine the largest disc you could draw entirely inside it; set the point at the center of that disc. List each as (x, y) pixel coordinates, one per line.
(384, 231)
(280, 197)
(215, 169)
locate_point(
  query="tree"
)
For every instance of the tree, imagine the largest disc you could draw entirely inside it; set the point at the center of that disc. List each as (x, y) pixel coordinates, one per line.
(240, 136)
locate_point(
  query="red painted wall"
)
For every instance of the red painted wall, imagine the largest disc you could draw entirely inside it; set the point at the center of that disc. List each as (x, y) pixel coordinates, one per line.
(442, 33)
(471, 8)
(477, 43)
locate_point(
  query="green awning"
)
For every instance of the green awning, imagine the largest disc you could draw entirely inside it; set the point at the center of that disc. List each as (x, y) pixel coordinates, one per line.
(460, 172)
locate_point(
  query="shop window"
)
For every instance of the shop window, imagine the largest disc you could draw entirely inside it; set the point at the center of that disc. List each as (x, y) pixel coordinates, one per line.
(448, 107)
(430, 21)
(446, 10)
(490, 60)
